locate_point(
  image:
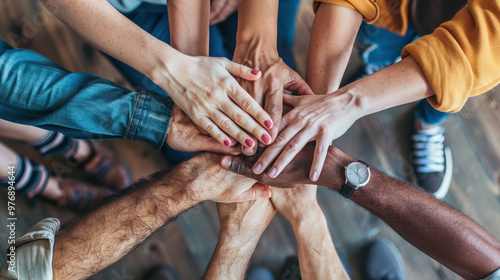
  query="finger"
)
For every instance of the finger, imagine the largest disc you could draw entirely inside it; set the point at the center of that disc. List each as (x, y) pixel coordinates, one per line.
(298, 85)
(289, 152)
(228, 126)
(274, 107)
(257, 191)
(245, 121)
(209, 144)
(241, 71)
(249, 151)
(238, 165)
(292, 100)
(275, 149)
(322, 144)
(214, 131)
(215, 9)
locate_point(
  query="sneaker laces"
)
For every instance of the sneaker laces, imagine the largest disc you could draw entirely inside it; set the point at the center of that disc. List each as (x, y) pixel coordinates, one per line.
(428, 150)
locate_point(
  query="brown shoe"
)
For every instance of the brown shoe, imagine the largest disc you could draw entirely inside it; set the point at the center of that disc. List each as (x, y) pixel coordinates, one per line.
(79, 195)
(105, 167)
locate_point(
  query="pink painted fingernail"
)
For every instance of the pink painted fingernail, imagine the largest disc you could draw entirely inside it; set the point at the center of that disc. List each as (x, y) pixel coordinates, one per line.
(255, 72)
(268, 123)
(266, 138)
(227, 143)
(249, 142)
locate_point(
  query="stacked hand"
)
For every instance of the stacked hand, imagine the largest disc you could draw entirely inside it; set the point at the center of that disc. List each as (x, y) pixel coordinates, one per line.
(276, 78)
(205, 90)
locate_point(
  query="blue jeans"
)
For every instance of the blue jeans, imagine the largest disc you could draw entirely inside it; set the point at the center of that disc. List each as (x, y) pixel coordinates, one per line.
(381, 48)
(154, 19)
(36, 91)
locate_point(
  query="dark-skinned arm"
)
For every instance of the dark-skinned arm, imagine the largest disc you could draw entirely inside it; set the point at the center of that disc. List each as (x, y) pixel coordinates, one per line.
(429, 224)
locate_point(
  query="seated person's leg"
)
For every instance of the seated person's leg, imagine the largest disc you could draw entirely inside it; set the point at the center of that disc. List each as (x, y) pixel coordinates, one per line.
(432, 160)
(36, 91)
(34, 180)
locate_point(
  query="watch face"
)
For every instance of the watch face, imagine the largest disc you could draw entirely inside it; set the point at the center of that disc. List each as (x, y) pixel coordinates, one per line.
(358, 174)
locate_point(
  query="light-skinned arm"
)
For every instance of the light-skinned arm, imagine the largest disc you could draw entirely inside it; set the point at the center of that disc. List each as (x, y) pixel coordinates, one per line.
(323, 118)
(256, 47)
(332, 39)
(242, 224)
(202, 87)
(429, 224)
(318, 258)
(189, 26)
(111, 231)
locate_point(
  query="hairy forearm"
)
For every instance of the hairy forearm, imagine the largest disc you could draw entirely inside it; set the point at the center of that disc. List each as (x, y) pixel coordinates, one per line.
(232, 256)
(317, 255)
(398, 84)
(189, 26)
(105, 28)
(332, 38)
(110, 232)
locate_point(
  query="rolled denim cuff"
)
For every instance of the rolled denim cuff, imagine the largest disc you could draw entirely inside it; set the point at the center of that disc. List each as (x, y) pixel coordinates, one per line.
(151, 116)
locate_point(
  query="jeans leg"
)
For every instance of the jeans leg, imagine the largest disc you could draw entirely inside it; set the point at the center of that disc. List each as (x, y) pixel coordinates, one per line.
(36, 91)
(428, 115)
(381, 47)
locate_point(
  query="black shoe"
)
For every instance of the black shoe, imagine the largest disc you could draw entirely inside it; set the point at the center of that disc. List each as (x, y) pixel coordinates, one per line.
(161, 272)
(381, 260)
(432, 161)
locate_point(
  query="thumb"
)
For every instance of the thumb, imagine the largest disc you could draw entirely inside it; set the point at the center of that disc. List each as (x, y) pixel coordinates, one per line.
(239, 70)
(257, 191)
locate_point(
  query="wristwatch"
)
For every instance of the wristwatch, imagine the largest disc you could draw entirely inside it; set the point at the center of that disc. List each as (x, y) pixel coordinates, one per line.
(357, 175)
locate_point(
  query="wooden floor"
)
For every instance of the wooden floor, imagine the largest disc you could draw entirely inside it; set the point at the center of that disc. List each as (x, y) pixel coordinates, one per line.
(380, 139)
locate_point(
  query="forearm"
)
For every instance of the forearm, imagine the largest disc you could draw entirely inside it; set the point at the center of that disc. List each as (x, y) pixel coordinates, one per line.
(332, 38)
(116, 111)
(317, 255)
(231, 258)
(398, 84)
(257, 27)
(189, 26)
(437, 229)
(110, 232)
(105, 28)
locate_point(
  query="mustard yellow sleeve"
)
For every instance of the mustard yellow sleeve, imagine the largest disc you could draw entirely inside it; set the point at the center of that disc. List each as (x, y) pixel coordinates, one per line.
(462, 57)
(367, 8)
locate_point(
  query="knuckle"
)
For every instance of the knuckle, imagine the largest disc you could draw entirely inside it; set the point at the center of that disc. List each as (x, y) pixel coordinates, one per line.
(239, 117)
(292, 146)
(273, 109)
(225, 124)
(279, 142)
(246, 104)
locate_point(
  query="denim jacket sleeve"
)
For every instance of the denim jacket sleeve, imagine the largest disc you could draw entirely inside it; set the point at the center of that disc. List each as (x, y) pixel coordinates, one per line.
(36, 91)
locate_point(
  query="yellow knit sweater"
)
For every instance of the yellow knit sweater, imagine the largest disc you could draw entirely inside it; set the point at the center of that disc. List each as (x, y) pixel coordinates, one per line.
(461, 58)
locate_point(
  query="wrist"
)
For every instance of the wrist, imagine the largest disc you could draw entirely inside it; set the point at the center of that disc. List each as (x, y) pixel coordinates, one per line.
(233, 236)
(254, 47)
(308, 224)
(165, 61)
(332, 175)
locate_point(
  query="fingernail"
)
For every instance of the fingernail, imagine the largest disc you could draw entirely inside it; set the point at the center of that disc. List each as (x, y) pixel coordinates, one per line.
(273, 171)
(268, 123)
(315, 176)
(255, 72)
(257, 167)
(266, 138)
(249, 142)
(247, 151)
(226, 162)
(227, 143)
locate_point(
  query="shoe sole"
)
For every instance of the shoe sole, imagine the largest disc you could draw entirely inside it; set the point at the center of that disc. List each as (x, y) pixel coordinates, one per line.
(445, 184)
